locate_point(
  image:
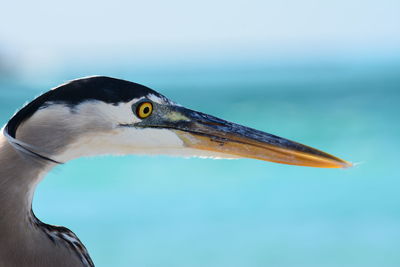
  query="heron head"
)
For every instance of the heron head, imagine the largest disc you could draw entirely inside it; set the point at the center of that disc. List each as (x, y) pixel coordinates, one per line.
(102, 115)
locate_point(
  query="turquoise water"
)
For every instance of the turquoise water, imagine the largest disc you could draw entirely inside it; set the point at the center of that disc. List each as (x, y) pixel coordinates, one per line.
(162, 211)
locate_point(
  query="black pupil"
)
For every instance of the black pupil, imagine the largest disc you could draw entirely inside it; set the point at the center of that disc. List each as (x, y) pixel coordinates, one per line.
(146, 110)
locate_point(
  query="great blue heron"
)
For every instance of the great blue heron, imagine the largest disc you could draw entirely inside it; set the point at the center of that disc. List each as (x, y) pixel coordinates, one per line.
(102, 115)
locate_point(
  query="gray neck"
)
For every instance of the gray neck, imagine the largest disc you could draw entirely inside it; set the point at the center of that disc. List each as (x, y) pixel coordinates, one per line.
(25, 241)
(19, 175)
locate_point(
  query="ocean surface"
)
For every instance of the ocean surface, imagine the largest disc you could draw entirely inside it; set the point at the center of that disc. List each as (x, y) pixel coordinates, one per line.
(164, 211)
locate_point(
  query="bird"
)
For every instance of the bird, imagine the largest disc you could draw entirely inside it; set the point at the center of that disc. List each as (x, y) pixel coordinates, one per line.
(103, 115)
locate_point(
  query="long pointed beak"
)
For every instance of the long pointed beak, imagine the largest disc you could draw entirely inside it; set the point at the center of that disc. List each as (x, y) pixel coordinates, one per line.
(205, 132)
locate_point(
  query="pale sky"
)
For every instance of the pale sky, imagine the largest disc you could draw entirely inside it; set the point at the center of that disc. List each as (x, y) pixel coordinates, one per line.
(159, 28)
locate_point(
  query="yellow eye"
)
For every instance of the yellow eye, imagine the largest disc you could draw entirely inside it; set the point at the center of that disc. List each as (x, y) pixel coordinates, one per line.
(144, 110)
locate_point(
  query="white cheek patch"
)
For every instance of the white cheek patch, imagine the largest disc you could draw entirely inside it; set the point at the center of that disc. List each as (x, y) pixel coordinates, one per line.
(122, 141)
(92, 112)
(117, 114)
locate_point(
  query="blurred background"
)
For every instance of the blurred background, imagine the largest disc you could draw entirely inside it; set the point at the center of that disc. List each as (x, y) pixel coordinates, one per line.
(324, 73)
